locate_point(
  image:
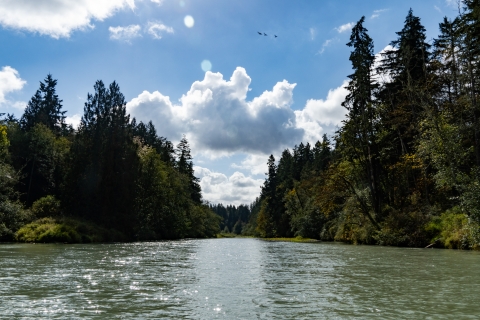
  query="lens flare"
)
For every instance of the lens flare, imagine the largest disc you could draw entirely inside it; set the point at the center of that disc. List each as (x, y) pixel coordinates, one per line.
(206, 65)
(189, 22)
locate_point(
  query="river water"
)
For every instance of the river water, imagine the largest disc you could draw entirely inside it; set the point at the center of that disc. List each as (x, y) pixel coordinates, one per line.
(236, 279)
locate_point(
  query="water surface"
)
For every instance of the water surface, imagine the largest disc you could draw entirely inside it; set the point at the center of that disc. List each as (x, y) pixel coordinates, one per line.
(236, 279)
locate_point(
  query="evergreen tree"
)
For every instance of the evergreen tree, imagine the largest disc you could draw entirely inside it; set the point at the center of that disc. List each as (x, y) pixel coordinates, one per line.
(407, 65)
(104, 161)
(45, 107)
(402, 105)
(268, 217)
(185, 166)
(359, 131)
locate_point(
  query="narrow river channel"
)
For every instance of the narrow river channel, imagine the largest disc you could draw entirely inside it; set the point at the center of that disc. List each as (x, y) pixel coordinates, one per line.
(236, 279)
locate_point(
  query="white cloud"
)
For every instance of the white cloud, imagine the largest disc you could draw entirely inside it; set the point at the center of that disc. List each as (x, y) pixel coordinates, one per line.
(256, 164)
(74, 120)
(376, 13)
(216, 117)
(60, 17)
(322, 112)
(345, 27)
(19, 105)
(437, 8)
(156, 29)
(325, 45)
(159, 2)
(10, 81)
(125, 33)
(236, 189)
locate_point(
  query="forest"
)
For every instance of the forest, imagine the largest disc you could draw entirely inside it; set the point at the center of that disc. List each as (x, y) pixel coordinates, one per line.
(113, 179)
(403, 169)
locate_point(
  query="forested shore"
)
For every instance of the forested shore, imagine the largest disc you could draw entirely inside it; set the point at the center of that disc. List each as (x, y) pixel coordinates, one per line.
(403, 169)
(112, 179)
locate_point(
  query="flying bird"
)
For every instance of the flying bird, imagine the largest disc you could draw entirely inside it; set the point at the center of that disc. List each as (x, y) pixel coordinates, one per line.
(259, 33)
(264, 34)
(275, 35)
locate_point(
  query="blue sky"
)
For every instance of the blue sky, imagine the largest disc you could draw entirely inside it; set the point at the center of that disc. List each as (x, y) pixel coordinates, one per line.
(261, 94)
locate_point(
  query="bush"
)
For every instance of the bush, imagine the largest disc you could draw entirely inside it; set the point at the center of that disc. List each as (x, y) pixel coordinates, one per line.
(49, 230)
(46, 207)
(454, 230)
(12, 217)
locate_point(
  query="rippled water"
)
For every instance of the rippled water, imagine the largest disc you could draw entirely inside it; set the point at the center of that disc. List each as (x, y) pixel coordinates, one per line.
(237, 279)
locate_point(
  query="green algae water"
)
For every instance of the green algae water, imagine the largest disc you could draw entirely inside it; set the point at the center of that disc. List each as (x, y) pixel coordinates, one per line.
(236, 279)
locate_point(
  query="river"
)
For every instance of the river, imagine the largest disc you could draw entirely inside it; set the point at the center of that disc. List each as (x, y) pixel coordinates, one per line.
(236, 279)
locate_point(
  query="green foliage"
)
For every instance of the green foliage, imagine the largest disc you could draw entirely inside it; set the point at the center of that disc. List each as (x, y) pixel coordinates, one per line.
(12, 217)
(4, 143)
(46, 162)
(47, 230)
(46, 207)
(454, 230)
(12, 212)
(204, 223)
(306, 219)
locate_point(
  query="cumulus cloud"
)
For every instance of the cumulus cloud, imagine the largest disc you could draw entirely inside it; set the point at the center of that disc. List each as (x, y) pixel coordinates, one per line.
(156, 29)
(218, 120)
(216, 116)
(10, 81)
(158, 108)
(125, 33)
(345, 27)
(236, 189)
(57, 18)
(326, 112)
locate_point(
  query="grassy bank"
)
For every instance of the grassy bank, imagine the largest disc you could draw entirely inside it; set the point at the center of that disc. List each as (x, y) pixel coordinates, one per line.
(296, 239)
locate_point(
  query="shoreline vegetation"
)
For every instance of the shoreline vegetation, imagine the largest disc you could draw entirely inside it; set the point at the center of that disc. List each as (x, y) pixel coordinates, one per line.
(403, 169)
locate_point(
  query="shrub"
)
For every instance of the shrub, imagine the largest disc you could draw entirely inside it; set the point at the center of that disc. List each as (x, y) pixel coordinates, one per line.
(454, 230)
(50, 230)
(46, 207)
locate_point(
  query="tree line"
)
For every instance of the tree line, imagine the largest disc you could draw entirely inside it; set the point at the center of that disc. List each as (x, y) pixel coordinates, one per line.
(404, 167)
(113, 178)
